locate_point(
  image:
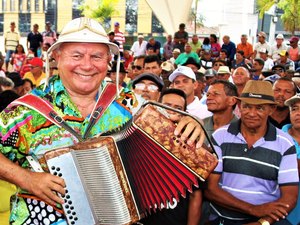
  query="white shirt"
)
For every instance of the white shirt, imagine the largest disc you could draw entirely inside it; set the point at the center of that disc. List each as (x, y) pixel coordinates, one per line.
(275, 51)
(258, 46)
(269, 63)
(139, 49)
(196, 108)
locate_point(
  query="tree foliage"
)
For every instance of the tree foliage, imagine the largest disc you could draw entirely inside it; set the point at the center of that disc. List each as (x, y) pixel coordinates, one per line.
(290, 17)
(101, 10)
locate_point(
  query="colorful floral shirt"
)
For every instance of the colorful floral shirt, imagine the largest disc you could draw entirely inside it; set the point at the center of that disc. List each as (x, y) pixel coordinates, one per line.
(25, 132)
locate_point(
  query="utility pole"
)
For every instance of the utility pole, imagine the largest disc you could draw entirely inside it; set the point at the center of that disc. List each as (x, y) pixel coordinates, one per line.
(195, 16)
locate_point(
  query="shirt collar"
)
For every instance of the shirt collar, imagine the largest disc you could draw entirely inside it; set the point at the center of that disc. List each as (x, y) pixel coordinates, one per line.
(235, 128)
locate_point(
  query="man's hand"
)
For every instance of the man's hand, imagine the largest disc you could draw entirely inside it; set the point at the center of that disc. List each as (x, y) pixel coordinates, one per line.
(45, 186)
(190, 129)
(274, 210)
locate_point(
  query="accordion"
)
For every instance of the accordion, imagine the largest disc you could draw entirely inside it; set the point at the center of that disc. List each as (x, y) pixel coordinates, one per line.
(119, 179)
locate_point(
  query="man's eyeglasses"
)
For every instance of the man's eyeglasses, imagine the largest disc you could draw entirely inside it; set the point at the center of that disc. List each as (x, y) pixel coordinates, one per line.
(150, 87)
(136, 67)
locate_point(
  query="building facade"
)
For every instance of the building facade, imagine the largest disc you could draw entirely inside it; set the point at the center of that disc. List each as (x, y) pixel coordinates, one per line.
(134, 16)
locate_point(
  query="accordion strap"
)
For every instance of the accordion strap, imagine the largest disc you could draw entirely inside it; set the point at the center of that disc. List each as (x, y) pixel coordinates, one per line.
(46, 109)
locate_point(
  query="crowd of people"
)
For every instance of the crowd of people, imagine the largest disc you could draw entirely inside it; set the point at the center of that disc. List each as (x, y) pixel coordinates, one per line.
(246, 96)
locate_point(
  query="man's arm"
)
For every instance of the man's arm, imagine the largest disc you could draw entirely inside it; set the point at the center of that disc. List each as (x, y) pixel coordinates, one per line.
(195, 208)
(271, 211)
(43, 185)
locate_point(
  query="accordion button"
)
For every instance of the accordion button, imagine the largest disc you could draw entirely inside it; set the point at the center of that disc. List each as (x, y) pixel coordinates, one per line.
(75, 218)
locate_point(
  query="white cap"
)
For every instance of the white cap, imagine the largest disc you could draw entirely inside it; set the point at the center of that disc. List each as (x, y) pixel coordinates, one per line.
(141, 36)
(182, 70)
(292, 100)
(84, 30)
(279, 36)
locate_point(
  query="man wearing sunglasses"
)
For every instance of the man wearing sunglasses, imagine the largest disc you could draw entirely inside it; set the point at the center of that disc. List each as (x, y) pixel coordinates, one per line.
(138, 65)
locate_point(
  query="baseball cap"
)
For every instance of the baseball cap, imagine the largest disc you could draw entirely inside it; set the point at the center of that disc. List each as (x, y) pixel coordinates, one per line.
(48, 23)
(141, 36)
(292, 100)
(283, 53)
(36, 61)
(84, 30)
(167, 66)
(262, 34)
(279, 36)
(148, 76)
(117, 24)
(182, 70)
(294, 39)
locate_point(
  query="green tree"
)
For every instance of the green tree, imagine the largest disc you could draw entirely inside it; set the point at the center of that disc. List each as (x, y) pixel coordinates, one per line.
(101, 10)
(290, 17)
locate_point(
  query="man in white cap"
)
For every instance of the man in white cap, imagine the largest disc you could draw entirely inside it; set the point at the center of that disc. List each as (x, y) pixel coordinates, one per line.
(278, 47)
(139, 47)
(268, 62)
(262, 43)
(184, 79)
(82, 52)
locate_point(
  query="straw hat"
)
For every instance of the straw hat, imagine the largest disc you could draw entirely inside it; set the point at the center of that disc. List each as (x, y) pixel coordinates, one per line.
(257, 93)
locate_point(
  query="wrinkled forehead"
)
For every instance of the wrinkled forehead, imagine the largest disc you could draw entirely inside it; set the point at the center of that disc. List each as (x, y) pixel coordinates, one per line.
(73, 46)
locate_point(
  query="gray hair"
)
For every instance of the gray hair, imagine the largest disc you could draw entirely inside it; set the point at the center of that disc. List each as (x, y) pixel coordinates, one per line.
(6, 82)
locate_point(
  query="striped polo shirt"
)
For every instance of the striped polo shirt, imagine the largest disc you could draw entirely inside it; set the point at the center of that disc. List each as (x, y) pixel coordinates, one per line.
(254, 174)
(12, 40)
(119, 37)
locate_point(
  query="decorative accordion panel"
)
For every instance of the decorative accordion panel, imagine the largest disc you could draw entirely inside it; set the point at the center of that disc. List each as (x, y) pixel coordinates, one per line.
(118, 180)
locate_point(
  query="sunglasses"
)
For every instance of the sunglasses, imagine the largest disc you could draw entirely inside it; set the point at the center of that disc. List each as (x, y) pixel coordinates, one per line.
(137, 67)
(142, 86)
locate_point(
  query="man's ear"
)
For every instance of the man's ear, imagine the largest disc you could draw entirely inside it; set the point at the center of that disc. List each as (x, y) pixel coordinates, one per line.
(195, 84)
(231, 100)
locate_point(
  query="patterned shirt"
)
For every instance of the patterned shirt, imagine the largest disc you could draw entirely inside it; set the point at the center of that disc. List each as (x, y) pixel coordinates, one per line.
(25, 132)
